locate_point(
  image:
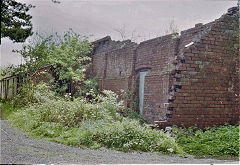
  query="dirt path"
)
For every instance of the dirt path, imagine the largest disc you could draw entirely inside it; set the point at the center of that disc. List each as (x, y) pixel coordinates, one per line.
(18, 148)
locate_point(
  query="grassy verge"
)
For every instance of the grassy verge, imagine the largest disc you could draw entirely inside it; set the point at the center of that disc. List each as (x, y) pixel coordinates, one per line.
(103, 122)
(217, 142)
(96, 124)
(7, 109)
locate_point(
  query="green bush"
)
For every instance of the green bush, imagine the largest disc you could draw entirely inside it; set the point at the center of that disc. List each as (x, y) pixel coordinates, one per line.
(71, 113)
(132, 114)
(122, 135)
(88, 88)
(212, 142)
(25, 95)
(95, 124)
(31, 94)
(104, 122)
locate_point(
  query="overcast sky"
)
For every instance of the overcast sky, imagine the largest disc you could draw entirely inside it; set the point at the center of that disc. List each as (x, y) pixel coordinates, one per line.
(147, 19)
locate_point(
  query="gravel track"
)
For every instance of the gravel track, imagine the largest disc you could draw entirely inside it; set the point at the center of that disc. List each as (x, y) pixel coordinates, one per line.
(16, 147)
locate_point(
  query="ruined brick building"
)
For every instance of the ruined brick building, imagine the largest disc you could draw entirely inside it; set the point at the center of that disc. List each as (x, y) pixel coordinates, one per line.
(191, 78)
(186, 79)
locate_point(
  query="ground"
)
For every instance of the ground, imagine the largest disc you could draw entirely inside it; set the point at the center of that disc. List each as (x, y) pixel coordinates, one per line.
(16, 147)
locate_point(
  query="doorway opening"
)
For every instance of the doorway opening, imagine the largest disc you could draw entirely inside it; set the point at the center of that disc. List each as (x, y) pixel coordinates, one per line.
(141, 90)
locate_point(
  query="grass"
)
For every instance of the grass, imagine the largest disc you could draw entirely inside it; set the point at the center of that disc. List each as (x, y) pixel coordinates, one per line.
(217, 142)
(89, 124)
(104, 123)
(7, 109)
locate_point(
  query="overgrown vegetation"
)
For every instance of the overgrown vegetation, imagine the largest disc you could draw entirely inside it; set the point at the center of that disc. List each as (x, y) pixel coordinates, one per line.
(96, 119)
(68, 56)
(212, 142)
(94, 124)
(104, 122)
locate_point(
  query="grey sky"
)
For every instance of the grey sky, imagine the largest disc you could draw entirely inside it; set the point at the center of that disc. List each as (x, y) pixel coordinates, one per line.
(100, 18)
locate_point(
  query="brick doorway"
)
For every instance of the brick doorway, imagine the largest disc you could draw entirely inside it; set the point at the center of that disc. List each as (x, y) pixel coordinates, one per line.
(141, 90)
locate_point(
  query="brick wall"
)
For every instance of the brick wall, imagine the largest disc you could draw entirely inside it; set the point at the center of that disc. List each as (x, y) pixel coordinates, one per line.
(191, 79)
(113, 64)
(207, 90)
(156, 55)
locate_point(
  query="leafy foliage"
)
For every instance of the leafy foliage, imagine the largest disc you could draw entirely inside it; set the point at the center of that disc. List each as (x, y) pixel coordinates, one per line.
(67, 55)
(71, 113)
(214, 141)
(15, 22)
(88, 88)
(33, 94)
(92, 123)
(122, 135)
(104, 122)
(64, 53)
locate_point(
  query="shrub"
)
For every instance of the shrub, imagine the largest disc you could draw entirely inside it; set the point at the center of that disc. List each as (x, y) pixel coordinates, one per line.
(122, 135)
(130, 135)
(214, 141)
(25, 95)
(30, 94)
(88, 88)
(95, 124)
(70, 113)
(131, 114)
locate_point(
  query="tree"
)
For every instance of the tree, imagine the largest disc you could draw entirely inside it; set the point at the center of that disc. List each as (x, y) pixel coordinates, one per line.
(69, 57)
(15, 22)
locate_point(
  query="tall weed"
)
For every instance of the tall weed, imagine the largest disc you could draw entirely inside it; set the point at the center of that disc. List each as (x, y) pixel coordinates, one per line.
(95, 124)
(212, 142)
